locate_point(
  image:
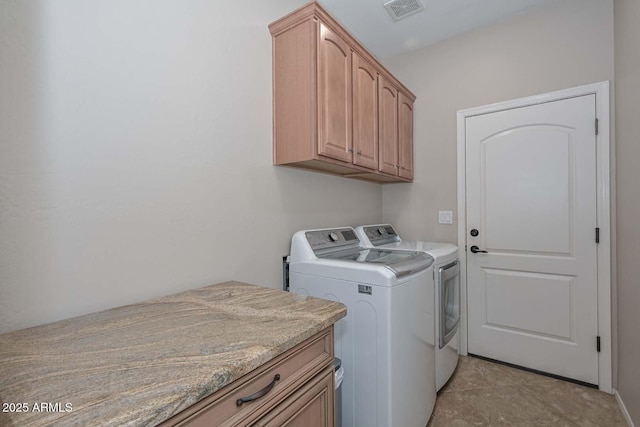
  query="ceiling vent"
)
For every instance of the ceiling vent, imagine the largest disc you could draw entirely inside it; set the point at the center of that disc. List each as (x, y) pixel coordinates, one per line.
(400, 9)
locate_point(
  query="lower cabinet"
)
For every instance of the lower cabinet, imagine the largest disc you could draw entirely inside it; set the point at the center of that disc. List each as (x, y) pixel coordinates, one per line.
(311, 406)
(294, 389)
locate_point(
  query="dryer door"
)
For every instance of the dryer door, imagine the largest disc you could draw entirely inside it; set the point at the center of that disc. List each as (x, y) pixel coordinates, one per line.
(449, 291)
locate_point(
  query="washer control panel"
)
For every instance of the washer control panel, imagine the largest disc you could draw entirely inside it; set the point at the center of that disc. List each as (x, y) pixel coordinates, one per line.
(323, 239)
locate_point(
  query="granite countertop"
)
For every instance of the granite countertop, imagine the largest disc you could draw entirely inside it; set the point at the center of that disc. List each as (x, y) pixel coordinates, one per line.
(141, 364)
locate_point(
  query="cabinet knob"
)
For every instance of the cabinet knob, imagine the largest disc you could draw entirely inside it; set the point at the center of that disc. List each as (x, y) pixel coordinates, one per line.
(351, 149)
(359, 152)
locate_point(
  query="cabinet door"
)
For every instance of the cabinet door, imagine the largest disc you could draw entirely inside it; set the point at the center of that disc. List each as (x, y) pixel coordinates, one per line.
(334, 96)
(365, 113)
(388, 125)
(311, 406)
(405, 136)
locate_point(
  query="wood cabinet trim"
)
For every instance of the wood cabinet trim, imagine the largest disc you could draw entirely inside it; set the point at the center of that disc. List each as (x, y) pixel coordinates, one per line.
(294, 93)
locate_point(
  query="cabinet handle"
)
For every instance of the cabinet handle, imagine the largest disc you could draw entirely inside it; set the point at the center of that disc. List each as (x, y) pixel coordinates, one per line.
(259, 394)
(359, 152)
(351, 149)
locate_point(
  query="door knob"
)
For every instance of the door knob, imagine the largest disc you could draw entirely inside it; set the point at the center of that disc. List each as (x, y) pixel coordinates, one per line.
(474, 249)
(474, 232)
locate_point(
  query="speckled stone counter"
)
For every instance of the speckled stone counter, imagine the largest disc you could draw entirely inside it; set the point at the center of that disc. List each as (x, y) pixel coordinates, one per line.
(143, 363)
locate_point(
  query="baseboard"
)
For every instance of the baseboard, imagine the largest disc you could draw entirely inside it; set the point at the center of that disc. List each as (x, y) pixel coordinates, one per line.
(624, 409)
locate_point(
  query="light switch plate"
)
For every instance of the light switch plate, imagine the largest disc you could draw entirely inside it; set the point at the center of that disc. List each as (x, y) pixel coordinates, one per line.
(445, 217)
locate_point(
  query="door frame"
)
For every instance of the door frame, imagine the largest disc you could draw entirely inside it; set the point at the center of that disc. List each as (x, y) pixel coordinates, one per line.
(603, 212)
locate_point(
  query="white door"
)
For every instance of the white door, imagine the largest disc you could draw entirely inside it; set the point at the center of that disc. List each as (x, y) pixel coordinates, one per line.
(531, 196)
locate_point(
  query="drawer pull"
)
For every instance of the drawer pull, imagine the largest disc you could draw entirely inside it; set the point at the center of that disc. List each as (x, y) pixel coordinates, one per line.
(258, 394)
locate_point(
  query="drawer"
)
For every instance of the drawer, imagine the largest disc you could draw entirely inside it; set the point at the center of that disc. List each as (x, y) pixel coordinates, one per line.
(310, 406)
(295, 367)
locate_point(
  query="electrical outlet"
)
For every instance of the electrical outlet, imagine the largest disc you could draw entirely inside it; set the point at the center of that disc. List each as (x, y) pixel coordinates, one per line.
(445, 217)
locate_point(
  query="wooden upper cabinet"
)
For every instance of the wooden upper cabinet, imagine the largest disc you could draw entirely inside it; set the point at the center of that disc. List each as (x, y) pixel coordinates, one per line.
(334, 96)
(405, 136)
(335, 107)
(388, 126)
(365, 113)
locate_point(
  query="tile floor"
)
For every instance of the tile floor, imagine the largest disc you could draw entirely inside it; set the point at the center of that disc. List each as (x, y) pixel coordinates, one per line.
(482, 393)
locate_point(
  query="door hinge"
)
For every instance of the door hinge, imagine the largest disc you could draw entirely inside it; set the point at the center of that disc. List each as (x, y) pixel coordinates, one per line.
(597, 126)
(598, 343)
(597, 234)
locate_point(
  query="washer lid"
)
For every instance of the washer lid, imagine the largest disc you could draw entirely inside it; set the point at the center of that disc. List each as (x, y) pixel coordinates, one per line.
(401, 263)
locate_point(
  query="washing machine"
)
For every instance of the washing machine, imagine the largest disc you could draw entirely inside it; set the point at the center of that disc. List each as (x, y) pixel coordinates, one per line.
(447, 285)
(387, 339)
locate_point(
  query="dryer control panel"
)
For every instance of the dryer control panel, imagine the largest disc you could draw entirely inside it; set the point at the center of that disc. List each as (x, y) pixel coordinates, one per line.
(323, 239)
(381, 234)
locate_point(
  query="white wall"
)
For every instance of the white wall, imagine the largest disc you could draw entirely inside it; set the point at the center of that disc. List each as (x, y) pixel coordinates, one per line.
(135, 155)
(559, 45)
(556, 46)
(627, 59)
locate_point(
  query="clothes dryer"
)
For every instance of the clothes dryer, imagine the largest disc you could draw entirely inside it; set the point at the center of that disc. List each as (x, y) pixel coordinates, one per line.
(387, 339)
(447, 286)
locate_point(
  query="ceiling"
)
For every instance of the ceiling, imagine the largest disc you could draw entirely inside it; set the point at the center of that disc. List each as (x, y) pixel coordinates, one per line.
(370, 23)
